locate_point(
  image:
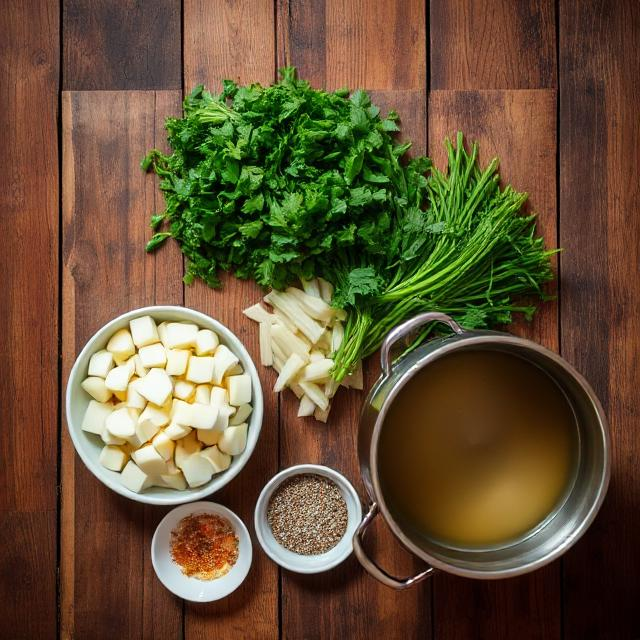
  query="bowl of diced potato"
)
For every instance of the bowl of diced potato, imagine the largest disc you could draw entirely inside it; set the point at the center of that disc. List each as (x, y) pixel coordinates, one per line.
(164, 405)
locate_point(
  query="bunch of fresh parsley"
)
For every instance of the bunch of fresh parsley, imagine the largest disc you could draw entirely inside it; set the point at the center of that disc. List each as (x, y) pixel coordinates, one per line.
(285, 182)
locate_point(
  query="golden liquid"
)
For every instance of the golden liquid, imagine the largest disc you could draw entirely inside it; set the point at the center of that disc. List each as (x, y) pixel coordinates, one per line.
(477, 449)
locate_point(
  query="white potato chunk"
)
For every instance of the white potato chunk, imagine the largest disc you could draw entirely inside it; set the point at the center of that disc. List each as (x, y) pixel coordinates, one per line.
(134, 399)
(207, 342)
(216, 459)
(145, 431)
(109, 438)
(186, 447)
(181, 412)
(101, 363)
(95, 417)
(155, 415)
(197, 470)
(134, 478)
(121, 344)
(173, 481)
(113, 458)
(122, 423)
(233, 440)
(183, 389)
(239, 389)
(181, 335)
(121, 396)
(177, 361)
(96, 388)
(162, 332)
(224, 413)
(164, 445)
(200, 369)
(150, 461)
(197, 415)
(307, 407)
(219, 397)
(289, 371)
(144, 331)
(315, 393)
(176, 431)
(118, 378)
(224, 359)
(156, 386)
(241, 414)
(203, 394)
(140, 370)
(209, 436)
(153, 355)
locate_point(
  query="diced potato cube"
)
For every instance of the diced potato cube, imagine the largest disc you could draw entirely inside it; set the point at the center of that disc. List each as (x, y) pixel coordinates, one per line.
(177, 361)
(134, 478)
(218, 460)
(122, 423)
(219, 397)
(233, 440)
(141, 371)
(224, 413)
(144, 331)
(150, 461)
(121, 396)
(203, 416)
(153, 355)
(224, 359)
(290, 370)
(206, 342)
(164, 445)
(197, 470)
(156, 386)
(181, 335)
(95, 417)
(162, 332)
(121, 344)
(176, 431)
(307, 407)
(183, 389)
(235, 370)
(101, 363)
(96, 388)
(200, 369)
(173, 481)
(239, 389)
(209, 436)
(203, 394)
(157, 416)
(180, 412)
(145, 431)
(109, 438)
(241, 414)
(113, 458)
(134, 399)
(118, 378)
(186, 447)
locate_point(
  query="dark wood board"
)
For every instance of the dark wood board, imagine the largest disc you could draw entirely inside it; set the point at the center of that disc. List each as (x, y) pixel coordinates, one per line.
(128, 44)
(29, 313)
(493, 44)
(599, 147)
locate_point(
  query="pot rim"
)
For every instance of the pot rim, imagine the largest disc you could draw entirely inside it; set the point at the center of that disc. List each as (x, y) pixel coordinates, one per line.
(453, 343)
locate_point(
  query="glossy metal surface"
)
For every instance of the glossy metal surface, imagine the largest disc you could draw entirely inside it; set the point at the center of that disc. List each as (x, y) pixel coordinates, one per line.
(558, 533)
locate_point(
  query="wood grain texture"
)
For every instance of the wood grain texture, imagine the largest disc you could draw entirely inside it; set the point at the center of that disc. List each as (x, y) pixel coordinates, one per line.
(29, 63)
(519, 127)
(128, 44)
(600, 230)
(335, 44)
(492, 44)
(214, 34)
(107, 584)
(354, 43)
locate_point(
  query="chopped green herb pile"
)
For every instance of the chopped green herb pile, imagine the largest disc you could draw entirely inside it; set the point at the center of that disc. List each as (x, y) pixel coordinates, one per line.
(286, 182)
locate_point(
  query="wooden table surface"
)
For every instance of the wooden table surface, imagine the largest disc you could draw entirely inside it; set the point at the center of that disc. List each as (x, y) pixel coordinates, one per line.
(553, 88)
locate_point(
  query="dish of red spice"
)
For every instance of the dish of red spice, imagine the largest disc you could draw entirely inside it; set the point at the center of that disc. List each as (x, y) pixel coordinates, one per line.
(204, 545)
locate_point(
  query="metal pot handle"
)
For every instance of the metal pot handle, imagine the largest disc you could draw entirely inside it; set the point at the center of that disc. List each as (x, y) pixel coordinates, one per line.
(371, 567)
(399, 332)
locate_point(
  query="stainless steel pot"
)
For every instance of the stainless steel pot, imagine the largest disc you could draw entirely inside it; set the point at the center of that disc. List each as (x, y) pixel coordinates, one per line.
(558, 533)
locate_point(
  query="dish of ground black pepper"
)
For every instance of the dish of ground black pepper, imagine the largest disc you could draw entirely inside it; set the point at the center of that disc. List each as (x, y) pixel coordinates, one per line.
(307, 514)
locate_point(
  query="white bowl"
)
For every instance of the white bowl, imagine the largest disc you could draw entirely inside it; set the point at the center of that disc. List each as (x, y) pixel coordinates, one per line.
(295, 561)
(170, 574)
(89, 445)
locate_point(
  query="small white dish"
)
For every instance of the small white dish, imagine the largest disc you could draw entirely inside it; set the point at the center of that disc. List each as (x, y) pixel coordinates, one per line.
(295, 561)
(193, 589)
(89, 445)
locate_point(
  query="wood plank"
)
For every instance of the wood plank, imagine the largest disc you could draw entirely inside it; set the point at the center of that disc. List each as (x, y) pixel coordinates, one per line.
(108, 588)
(29, 57)
(519, 127)
(378, 46)
(236, 40)
(129, 44)
(600, 230)
(494, 44)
